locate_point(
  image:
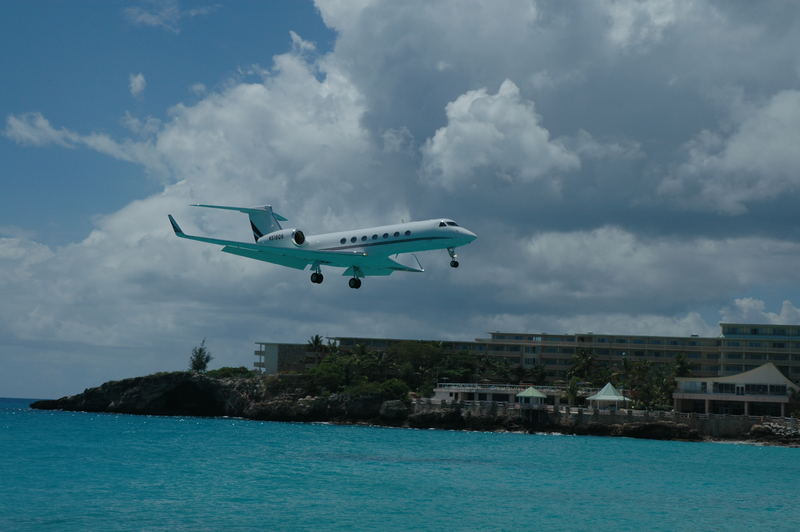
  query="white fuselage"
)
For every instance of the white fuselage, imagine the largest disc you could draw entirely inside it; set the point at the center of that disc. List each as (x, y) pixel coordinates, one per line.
(383, 240)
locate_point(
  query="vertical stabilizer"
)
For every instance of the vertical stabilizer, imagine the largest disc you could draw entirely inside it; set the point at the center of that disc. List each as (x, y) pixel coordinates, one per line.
(263, 222)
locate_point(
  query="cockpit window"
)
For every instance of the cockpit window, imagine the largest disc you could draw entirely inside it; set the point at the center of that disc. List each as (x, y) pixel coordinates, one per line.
(442, 224)
(452, 223)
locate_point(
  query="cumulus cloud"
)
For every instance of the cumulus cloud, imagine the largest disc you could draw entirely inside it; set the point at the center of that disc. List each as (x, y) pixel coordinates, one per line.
(612, 270)
(136, 84)
(498, 135)
(751, 310)
(164, 14)
(758, 160)
(421, 111)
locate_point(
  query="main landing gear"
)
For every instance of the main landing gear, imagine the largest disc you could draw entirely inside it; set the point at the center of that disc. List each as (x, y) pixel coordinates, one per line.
(453, 256)
(355, 281)
(316, 277)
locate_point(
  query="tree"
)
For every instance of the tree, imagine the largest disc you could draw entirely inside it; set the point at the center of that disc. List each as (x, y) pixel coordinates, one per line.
(583, 365)
(200, 358)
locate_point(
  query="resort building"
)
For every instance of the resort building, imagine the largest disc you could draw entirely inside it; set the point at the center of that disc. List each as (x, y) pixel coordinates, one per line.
(739, 348)
(763, 391)
(283, 358)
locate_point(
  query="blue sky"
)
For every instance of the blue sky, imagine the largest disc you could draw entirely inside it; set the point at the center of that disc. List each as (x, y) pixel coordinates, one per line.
(629, 166)
(74, 68)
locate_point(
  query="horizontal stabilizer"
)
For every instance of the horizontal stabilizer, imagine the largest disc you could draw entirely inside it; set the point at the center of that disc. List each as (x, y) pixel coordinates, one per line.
(246, 210)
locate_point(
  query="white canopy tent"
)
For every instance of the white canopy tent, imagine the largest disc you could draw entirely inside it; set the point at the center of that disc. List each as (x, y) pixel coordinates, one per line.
(531, 397)
(606, 397)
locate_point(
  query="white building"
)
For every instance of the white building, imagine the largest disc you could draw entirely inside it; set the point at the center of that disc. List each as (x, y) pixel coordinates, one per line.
(757, 392)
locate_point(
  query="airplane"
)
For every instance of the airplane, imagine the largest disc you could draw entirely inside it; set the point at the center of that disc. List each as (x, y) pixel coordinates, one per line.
(362, 252)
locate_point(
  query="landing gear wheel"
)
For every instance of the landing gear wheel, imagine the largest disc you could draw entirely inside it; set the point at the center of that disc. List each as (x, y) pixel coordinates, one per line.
(317, 277)
(454, 264)
(354, 283)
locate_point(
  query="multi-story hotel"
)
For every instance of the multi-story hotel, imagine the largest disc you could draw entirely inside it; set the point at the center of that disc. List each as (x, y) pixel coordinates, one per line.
(740, 347)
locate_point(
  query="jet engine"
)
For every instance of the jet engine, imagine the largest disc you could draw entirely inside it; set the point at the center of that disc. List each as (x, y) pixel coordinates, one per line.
(298, 237)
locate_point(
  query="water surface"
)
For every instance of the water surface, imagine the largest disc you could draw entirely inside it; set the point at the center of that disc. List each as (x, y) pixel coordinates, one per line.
(78, 471)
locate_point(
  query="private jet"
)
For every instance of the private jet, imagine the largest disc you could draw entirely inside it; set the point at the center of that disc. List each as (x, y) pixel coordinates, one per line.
(361, 252)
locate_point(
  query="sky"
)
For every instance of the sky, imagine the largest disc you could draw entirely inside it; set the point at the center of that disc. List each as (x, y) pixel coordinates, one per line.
(630, 167)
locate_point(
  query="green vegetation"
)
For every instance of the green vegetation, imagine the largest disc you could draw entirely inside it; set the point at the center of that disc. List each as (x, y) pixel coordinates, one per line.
(649, 385)
(200, 358)
(407, 366)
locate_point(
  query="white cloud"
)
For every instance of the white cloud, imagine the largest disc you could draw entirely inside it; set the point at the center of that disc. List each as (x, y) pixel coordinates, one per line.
(498, 135)
(610, 270)
(33, 129)
(751, 310)
(136, 84)
(602, 99)
(758, 160)
(636, 24)
(164, 14)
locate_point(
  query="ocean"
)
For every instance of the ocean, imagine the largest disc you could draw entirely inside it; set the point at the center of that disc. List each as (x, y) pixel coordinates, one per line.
(81, 471)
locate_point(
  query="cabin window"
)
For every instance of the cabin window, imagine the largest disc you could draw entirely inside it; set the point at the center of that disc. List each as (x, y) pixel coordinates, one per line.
(408, 233)
(342, 241)
(374, 237)
(396, 233)
(353, 239)
(363, 238)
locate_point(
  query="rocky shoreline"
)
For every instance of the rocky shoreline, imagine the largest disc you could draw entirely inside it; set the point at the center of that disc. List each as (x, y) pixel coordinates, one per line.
(286, 398)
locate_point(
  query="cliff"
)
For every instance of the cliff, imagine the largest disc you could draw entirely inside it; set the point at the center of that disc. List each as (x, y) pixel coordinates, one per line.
(276, 398)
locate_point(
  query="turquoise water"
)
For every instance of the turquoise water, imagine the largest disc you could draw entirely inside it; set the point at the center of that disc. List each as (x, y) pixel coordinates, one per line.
(80, 471)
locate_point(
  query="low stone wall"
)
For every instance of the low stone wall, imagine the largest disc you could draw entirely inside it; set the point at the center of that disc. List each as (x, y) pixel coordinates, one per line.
(579, 419)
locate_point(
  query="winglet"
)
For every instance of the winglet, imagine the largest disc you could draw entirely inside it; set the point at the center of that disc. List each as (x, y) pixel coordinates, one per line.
(175, 226)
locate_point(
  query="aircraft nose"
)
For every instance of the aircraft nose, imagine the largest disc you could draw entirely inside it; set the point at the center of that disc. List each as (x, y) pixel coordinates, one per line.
(469, 234)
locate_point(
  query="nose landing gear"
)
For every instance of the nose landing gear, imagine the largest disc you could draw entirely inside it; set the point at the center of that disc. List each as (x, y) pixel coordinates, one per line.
(453, 256)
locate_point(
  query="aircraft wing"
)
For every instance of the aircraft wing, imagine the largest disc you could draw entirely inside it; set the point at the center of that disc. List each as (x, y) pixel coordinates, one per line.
(299, 258)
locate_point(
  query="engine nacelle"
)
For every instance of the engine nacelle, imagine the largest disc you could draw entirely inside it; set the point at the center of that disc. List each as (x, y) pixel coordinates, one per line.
(284, 237)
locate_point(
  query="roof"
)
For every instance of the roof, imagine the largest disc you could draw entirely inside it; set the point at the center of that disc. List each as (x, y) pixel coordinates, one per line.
(531, 392)
(608, 393)
(763, 374)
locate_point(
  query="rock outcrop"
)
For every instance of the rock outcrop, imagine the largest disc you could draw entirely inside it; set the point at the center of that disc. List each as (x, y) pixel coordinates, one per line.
(277, 398)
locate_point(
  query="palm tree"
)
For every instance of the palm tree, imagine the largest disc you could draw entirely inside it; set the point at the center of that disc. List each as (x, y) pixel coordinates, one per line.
(317, 347)
(582, 365)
